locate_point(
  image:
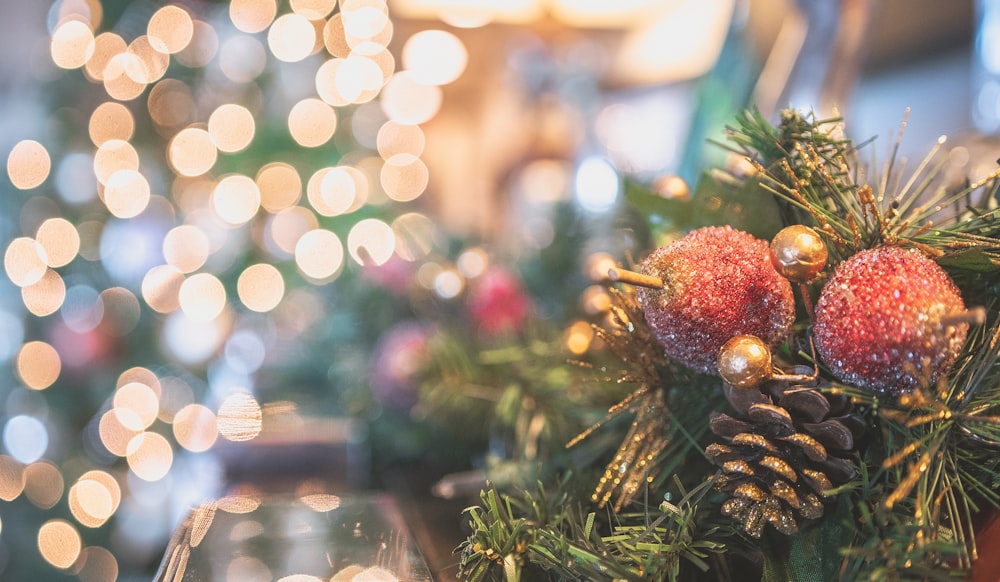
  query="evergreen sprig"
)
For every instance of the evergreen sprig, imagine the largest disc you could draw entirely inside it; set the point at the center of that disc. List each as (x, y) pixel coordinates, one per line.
(525, 535)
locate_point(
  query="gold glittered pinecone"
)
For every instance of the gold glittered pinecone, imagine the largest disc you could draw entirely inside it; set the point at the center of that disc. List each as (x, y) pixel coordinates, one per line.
(789, 445)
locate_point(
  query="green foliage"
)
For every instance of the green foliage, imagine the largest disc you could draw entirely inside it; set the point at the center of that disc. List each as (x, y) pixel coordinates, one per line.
(558, 536)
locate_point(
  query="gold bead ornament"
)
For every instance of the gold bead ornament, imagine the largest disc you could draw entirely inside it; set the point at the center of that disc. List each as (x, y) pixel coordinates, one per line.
(798, 253)
(745, 361)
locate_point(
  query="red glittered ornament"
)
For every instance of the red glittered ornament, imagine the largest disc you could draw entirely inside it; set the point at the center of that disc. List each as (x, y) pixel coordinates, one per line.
(718, 282)
(882, 317)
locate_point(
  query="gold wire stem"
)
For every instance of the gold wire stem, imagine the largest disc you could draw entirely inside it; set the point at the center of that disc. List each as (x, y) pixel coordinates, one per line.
(974, 316)
(633, 278)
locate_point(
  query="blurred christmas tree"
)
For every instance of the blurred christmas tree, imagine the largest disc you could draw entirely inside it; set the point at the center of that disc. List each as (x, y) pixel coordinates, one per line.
(816, 400)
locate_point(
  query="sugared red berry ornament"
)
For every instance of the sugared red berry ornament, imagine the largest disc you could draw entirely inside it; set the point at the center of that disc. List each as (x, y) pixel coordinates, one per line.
(709, 286)
(887, 317)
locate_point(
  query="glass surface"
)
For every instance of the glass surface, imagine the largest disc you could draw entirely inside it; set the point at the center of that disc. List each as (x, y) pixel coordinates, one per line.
(245, 538)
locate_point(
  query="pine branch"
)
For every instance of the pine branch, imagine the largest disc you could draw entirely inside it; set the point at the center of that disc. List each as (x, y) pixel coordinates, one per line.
(816, 177)
(550, 532)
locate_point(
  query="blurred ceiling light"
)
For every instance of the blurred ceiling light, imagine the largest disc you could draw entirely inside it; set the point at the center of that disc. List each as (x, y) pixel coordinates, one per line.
(581, 13)
(677, 40)
(504, 11)
(664, 40)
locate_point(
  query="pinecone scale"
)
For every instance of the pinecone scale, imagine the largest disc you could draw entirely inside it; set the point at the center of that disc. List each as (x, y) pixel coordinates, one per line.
(785, 448)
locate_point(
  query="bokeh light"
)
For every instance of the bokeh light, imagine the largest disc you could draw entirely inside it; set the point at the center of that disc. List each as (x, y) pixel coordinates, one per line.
(186, 248)
(337, 192)
(260, 287)
(242, 58)
(291, 38)
(11, 478)
(170, 104)
(45, 297)
(149, 456)
(287, 227)
(28, 164)
(38, 365)
(195, 428)
(152, 62)
(358, 78)
(25, 438)
(239, 417)
(126, 193)
(404, 177)
(43, 484)
(97, 564)
(192, 152)
(161, 287)
(60, 241)
(124, 76)
(335, 37)
(312, 122)
(578, 337)
(472, 262)
(280, 186)
(232, 127)
(236, 199)
(59, 543)
(203, 46)
(111, 120)
(136, 405)
(191, 341)
(94, 498)
(395, 138)
(407, 101)
(319, 254)
(202, 297)
(448, 284)
(434, 57)
(106, 46)
(415, 235)
(247, 568)
(313, 9)
(170, 29)
(113, 434)
(326, 82)
(72, 45)
(252, 16)
(114, 155)
(596, 184)
(366, 21)
(371, 241)
(121, 311)
(25, 261)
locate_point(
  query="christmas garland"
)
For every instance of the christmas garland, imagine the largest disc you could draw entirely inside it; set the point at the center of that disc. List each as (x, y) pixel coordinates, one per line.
(821, 405)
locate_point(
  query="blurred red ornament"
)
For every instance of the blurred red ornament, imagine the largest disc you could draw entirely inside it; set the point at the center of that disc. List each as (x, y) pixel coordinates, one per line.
(497, 303)
(83, 351)
(718, 282)
(883, 316)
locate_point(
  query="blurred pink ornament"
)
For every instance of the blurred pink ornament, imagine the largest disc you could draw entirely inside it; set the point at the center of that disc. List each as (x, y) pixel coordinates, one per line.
(498, 303)
(394, 275)
(398, 358)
